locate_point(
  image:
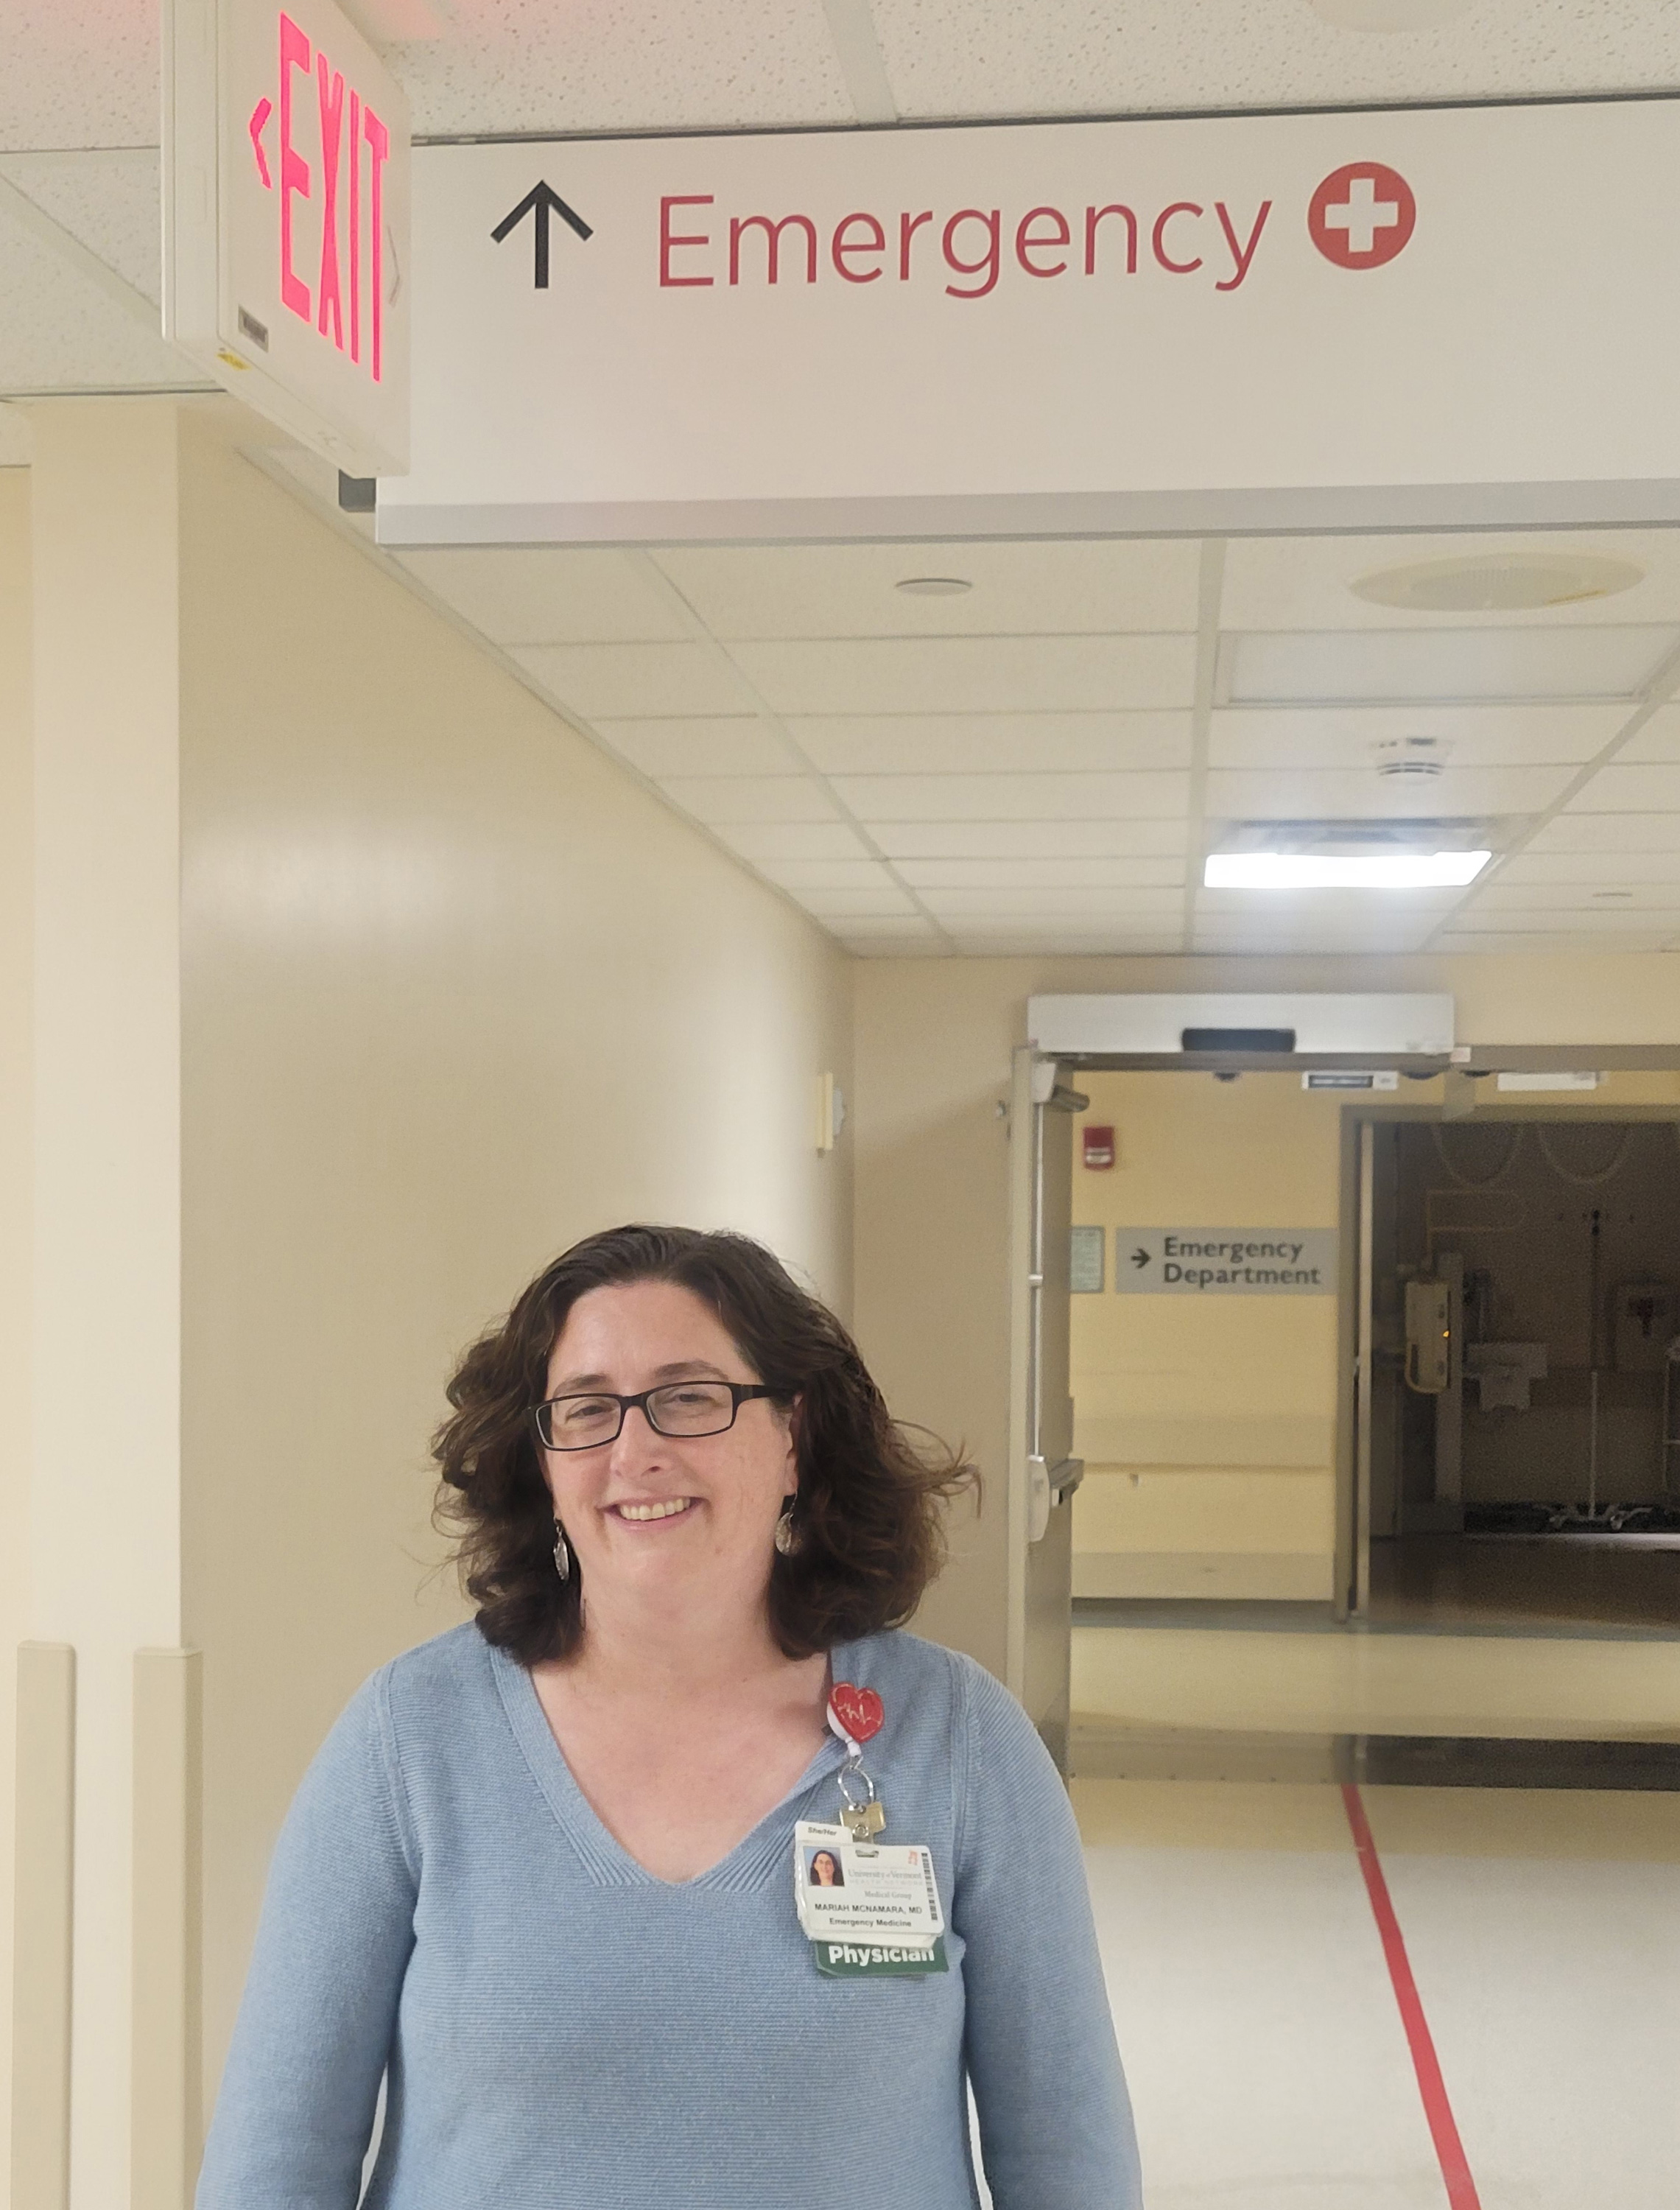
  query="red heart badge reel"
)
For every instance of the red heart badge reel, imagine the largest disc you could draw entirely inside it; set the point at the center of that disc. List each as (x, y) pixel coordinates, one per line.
(857, 1713)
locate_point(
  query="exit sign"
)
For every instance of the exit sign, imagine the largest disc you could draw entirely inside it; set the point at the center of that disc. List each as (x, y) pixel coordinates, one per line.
(285, 221)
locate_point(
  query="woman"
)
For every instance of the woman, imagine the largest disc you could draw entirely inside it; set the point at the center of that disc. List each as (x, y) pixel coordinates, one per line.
(540, 1878)
(825, 1870)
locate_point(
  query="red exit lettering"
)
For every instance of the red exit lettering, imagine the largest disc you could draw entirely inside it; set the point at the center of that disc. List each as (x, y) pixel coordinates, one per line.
(969, 252)
(349, 143)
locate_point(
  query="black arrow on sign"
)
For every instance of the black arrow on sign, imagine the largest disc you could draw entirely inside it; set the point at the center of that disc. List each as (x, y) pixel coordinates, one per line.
(541, 201)
(1140, 1258)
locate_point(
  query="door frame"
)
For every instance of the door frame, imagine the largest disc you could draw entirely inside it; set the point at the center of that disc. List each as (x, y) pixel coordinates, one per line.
(1351, 1600)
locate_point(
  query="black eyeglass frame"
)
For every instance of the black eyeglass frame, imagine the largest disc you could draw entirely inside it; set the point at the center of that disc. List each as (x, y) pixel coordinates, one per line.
(740, 1393)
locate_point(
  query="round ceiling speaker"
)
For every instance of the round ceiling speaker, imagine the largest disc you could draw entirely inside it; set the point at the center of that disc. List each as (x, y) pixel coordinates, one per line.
(1498, 582)
(1390, 15)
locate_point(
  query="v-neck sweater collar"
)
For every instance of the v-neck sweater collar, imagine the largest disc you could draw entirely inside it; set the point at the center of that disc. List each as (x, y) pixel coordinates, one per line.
(754, 1859)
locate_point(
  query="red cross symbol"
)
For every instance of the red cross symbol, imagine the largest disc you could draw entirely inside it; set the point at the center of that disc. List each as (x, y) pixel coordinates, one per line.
(1362, 215)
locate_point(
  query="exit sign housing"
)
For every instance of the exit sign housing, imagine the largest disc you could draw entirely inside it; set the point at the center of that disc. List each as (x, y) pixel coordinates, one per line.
(285, 221)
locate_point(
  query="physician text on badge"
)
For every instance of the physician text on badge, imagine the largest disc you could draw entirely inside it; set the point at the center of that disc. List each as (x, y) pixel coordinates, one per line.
(1226, 1262)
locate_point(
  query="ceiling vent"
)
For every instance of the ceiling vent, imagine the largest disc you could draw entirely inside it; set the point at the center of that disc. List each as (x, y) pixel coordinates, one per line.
(1512, 581)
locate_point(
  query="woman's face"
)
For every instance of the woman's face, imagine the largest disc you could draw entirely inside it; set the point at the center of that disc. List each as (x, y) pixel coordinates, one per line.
(659, 1513)
(823, 1869)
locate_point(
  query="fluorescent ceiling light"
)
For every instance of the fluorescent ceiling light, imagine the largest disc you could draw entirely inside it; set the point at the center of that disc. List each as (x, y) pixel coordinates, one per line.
(1315, 871)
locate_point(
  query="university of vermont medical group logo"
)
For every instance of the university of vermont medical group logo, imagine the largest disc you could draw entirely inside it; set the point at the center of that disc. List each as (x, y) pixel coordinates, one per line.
(1362, 215)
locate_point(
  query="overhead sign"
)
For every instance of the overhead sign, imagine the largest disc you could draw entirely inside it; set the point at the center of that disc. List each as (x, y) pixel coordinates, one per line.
(1226, 1262)
(285, 221)
(1364, 319)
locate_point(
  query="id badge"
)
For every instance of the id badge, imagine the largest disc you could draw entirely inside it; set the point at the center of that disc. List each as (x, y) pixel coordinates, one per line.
(869, 1909)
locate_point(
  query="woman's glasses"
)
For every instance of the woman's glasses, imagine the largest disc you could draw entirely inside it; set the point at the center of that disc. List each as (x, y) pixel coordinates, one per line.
(678, 1408)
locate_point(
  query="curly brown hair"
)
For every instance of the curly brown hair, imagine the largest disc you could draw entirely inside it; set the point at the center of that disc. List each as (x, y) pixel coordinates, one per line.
(868, 1517)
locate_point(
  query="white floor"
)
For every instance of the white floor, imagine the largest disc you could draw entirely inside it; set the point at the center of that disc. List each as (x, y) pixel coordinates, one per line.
(1259, 2024)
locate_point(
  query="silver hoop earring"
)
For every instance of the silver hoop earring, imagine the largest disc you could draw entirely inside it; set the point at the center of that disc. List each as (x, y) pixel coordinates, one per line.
(562, 1553)
(787, 1542)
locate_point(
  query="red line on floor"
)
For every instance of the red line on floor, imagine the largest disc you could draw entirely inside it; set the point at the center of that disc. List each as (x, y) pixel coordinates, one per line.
(1443, 2129)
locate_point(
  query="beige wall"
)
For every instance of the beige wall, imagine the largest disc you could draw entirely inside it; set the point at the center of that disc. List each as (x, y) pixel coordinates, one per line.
(453, 990)
(457, 992)
(933, 1043)
(15, 1120)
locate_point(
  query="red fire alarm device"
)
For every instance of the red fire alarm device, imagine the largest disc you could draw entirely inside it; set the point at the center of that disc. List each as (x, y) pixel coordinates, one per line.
(1098, 1147)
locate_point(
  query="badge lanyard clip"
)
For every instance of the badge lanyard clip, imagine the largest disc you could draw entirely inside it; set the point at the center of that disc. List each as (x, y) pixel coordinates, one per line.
(856, 1714)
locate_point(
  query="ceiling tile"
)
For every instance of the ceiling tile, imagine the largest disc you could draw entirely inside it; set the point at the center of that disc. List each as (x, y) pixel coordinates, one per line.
(717, 744)
(1360, 793)
(1619, 789)
(1608, 661)
(1605, 921)
(1502, 940)
(889, 928)
(1027, 840)
(1060, 586)
(1065, 57)
(1464, 736)
(1305, 583)
(1012, 797)
(992, 743)
(1659, 739)
(1063, 899)
(621, 681)
(794, 839)
(62, 332)
(1570, 870)
(548, 595)
(971, 674)
(1042, 874)
(1578, 830)
(1505, 895)
(720, 798)
(802, 875)
(110, 199)
(1068, 939)
(873, 904)
(522, 68)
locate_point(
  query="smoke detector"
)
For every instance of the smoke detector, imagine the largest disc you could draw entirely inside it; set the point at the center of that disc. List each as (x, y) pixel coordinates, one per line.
(1410, 760)
(1498, 582)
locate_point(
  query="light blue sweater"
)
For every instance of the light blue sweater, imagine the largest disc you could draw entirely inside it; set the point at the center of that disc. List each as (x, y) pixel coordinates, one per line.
(564, 2031)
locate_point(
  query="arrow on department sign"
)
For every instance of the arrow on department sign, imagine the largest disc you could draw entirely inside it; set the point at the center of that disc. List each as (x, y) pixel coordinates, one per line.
(1140, 1257)
(541, 202)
